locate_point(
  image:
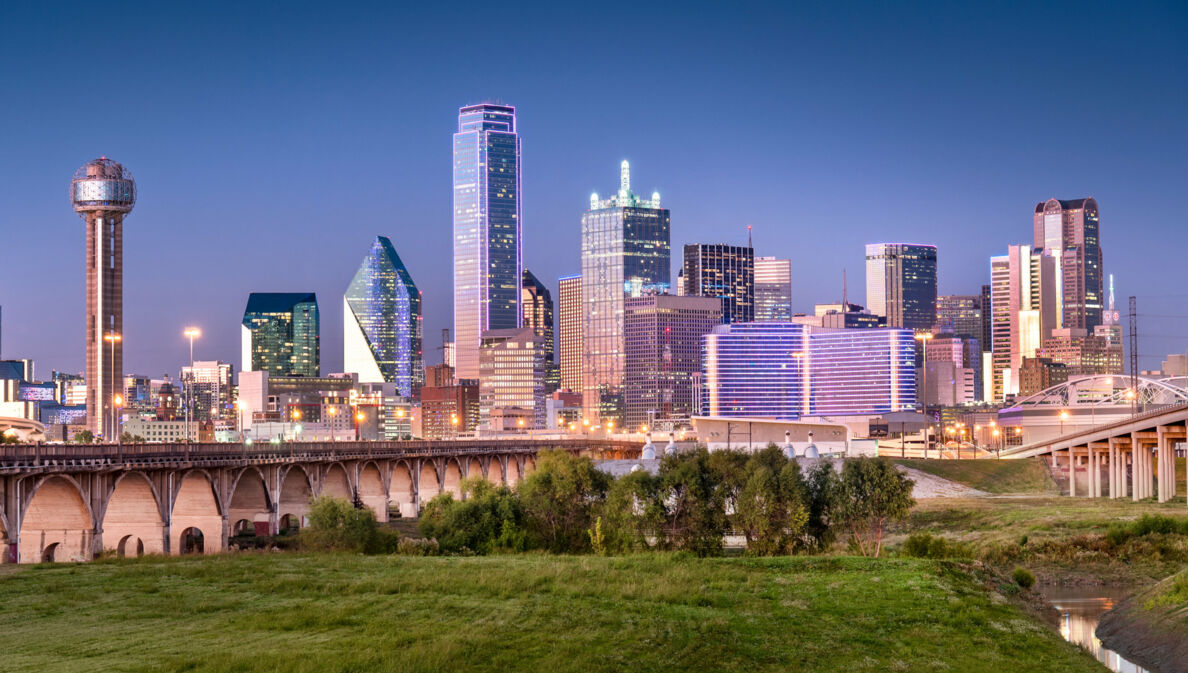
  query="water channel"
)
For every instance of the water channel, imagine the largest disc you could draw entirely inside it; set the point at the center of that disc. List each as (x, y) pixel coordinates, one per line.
(1079, 610)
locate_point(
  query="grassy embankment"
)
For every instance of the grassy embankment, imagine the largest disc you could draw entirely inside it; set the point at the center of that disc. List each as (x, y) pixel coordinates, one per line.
(296, 612)
(992, 476)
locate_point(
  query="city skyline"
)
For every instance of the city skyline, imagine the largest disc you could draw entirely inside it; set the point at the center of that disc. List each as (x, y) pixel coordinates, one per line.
(175, 232)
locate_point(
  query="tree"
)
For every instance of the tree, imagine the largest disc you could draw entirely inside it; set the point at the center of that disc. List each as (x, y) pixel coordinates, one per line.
(872, 492)
(129, 438)
(695, 510)
(337, 525)
(771, 505)
(7, 438)
(490, 519)
(632, 513)
(822, 489)
(84, 437)
(560, 498)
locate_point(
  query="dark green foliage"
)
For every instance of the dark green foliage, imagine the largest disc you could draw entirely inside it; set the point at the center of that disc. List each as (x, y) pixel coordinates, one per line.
(822, 490)
(1023, 577)
(923, 545)
(560, 498)
(490, 519)
(1147, 524)
(872, 493)
(84, 437)
(770, 508)
(632, 513)
(694, 503)
(336, 525)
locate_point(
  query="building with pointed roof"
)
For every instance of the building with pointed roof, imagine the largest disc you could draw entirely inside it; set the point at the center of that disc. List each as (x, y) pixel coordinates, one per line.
(381, 318)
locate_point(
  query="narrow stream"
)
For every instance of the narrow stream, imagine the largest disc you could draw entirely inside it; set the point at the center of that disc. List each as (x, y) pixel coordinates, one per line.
(1079, 609)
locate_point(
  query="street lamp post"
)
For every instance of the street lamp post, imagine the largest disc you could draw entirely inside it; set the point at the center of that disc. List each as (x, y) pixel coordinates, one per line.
(111, 338)
(117, 401)
(1063, 418)
(192, 333)
(924, 338)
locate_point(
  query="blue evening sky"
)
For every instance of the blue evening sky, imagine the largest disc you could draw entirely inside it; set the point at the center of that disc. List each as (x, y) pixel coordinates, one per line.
(271, 144)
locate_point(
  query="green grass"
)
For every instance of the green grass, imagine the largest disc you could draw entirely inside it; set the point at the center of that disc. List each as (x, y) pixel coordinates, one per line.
(318, 613)
(1028, 475)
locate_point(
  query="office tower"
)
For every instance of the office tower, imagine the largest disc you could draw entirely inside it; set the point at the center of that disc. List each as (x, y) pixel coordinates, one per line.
(901, 284)
(954, 369)
(537, 305)
(662, 339)
(381, 318)
(985, 340)
(207, 387)
(959, 314)
(1023, 305)
(569, 327)
(1037, 374)
(773, 289)
(138, 392)
(511, 380)
(1068, 231)
(724, 271)
(1083, 353)
(785, 370)
(487, 248)
(102, 192)
(449, 410)
(280, 334)
(1111, 325)
(625, 252)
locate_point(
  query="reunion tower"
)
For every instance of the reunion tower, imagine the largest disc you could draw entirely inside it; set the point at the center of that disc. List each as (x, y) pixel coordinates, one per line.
(102, 192)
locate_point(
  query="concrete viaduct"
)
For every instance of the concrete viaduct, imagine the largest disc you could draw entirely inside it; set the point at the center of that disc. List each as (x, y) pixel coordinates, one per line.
(71, 502)
(1134, 458)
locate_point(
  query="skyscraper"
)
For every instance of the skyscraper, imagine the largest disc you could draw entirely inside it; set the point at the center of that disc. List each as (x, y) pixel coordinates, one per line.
(1023, 302)
(960, 314)
(1069, 232)
(723, 271)
(625, 252)
(102, 192)
(381, 318)
(569, 327)
(773, 289)
(280, 334)
(901, 284)
(487, 249)
(208, 387)
(537, 305)
(511, 380)
(663, 355)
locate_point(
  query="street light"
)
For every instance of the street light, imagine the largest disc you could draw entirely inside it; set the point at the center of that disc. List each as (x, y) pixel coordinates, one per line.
(117, 401)
(111, 338)
(924, 338)
(1063, 417)
(192, 333)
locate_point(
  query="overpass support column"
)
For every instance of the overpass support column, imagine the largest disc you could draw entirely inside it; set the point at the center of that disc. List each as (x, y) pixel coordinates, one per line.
(1136, 470)
(1072, 473)
(1115, 478)
(1095, 464)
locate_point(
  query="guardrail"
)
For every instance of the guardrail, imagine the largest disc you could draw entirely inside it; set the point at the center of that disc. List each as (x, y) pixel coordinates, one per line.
(1137, 418)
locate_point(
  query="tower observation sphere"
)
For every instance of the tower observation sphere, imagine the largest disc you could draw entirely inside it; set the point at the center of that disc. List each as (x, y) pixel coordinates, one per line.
(102, 191)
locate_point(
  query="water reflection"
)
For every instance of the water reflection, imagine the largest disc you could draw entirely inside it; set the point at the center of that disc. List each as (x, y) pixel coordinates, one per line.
(1079, 610)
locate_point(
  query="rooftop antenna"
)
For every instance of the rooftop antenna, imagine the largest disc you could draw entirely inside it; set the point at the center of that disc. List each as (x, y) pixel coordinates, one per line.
(845, 301)
(751, 245)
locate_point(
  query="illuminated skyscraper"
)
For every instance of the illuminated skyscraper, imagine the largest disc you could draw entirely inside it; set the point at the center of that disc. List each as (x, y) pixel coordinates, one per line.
(773, 289)
(1023, 313)
(569, 327)
(901, 284)
(102, 192)
(537, 304)
(381, 317)
(487, 251)
(1069, 231)
(280, 334)
(723, 271)
(625, 252)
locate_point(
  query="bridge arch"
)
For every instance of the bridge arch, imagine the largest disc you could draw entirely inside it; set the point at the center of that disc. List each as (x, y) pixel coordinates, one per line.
(336, 483)
(452, 478)
(428, 485)
(372, 493)
(402, 490)
(474, 469)
(495, 471)
(250, 500)
(58, 524)
(529, 465)
(196, 511)
(296, 492)
(512, 474)
(132, 517)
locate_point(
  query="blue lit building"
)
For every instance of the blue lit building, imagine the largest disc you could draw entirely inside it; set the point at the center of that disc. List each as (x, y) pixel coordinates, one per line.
(488, 259)
(381, 318)
(280, 334)
(790, 371)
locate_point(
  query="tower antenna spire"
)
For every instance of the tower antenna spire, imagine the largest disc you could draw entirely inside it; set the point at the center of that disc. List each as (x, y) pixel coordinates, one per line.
(845, 301)
(624, 177)
(751, 245)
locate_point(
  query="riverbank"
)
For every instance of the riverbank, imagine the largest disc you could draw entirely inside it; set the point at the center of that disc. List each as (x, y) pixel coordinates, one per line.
(1151, 627)
(528, 612)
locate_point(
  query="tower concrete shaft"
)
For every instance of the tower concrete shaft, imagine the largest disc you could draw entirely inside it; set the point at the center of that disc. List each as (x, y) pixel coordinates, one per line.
(105, 320)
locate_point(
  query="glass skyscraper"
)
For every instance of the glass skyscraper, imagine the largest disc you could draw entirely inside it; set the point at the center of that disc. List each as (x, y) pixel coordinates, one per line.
(773, 289)
(901, 284)
(487, 251)
(723, 271)
(280, 334)
(788, 370)
(625, 252)
(1069, 231)
(537, 303)
(382, 322)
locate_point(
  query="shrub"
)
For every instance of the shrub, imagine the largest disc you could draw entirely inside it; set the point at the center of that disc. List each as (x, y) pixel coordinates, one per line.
(632, 513)
(1023, 577)
(923, 545)
(490, 519)
(694, 506)
(872, 493)
(408, 546)
(770, 507)
(336, 525)
(560, 498)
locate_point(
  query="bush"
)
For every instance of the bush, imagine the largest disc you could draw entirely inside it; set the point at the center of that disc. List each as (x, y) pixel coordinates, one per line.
(1023, 577)
(923, 545)
(1147, 524)
(694, 505)
(417, 547)
(632, 513)
(560, 499)
(491, 519)
(336, 525)
(770, 507)
(872, 493)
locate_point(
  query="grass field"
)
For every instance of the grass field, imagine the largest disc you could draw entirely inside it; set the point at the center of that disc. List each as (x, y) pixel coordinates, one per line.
(992, 476)
(292, 612)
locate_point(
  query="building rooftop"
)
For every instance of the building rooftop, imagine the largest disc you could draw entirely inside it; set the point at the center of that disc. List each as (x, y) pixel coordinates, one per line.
(277, 302)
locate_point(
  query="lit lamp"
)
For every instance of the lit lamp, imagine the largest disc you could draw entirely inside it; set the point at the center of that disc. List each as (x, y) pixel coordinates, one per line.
(1063, 417)
(117, 401)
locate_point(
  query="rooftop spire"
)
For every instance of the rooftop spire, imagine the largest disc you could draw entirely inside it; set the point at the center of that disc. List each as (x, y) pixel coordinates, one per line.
(624, 177)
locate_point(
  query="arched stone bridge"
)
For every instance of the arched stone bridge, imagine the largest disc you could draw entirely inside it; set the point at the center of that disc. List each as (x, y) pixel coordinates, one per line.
(70, 502)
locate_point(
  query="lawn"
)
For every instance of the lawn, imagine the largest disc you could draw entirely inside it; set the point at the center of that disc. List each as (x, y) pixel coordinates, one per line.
(316, 613)
(1028, 475)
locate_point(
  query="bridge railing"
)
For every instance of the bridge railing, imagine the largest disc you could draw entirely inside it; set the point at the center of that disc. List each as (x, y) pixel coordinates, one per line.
(1080, 434)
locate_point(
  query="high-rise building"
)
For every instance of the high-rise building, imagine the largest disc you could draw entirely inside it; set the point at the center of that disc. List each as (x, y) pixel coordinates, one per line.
(959, 314)
(723, 271)
(955, 369)
(773, 289)
(1083, 353)
(207, 388)
(381, 317)
(537, 303)
(625, 253)
(569, 327)
(985, 340)
(102, 192)
(901, 284)
(280, 334)
(1069, 232)
(511, 376)
(488, 259)
(786, 370)
(1023, 305)
(1036, 374)
(663, 355)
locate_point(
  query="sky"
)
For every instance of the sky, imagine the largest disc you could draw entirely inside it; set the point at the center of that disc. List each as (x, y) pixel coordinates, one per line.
(271, 144)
